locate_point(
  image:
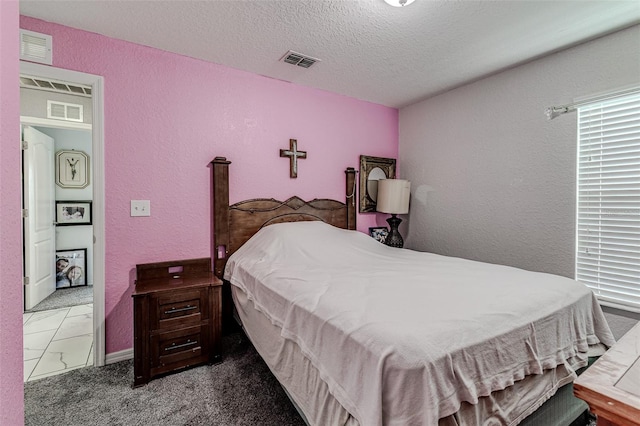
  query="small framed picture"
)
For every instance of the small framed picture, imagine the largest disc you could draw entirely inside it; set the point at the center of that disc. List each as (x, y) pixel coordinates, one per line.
(71, 267)
(73, 213)
(72, 169)
(379, 233)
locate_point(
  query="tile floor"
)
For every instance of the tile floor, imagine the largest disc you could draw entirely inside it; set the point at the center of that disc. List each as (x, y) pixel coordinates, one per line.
(57, 341)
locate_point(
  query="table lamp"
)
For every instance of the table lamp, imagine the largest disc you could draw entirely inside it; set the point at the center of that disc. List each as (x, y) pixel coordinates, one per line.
(393, 198)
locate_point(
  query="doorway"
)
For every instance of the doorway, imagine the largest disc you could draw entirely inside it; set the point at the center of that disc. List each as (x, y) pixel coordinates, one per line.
(58, 317)
(93, 235)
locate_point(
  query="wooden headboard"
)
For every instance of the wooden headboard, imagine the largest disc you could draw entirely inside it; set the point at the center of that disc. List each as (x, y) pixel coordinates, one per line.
(234, 225)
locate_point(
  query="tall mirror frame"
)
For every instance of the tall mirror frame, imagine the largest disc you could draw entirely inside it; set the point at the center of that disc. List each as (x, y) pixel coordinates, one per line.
(373, 169)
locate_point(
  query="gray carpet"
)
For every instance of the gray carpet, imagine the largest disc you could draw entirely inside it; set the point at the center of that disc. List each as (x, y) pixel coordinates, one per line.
(620, 321)
(65, 297)
(239, 391)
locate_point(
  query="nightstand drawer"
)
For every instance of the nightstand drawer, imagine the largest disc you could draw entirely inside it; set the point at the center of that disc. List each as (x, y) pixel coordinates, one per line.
(176, 316)
(180, 309)
(180, 346)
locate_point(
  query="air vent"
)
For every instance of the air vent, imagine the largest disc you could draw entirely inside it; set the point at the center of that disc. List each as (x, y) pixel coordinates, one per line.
(64, 111)
(295, 58)
(55, 86)
(36, 47)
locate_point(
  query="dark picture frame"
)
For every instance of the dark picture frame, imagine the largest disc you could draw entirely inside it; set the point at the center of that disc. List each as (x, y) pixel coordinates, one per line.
(379, 233)
(71, 268)
(70, 213)
(373, 169)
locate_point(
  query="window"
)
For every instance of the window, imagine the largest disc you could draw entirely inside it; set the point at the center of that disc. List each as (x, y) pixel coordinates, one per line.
(608, 214)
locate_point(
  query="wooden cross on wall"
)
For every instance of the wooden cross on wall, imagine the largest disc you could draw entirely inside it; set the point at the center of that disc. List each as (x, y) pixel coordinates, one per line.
(293, 155)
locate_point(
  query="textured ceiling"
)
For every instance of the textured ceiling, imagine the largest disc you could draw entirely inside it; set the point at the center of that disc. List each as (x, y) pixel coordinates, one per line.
(369, 50)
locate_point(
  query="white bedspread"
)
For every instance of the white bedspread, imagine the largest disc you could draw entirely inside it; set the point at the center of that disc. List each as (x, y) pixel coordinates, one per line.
(403, 337)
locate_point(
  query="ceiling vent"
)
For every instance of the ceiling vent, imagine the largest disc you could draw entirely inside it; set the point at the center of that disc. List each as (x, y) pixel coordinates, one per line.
(36, 47)
(55, 86)
(295, 58)
(64, 111)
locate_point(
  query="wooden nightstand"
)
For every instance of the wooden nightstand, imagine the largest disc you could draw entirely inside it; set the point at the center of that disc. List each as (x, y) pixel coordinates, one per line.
(177, 309)
(611, 386)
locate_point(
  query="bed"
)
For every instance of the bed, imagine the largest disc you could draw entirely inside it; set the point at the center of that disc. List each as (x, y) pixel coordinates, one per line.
(359, 333)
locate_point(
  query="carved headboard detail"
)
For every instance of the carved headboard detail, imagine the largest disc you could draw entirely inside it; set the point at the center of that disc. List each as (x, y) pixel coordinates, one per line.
(234, 224)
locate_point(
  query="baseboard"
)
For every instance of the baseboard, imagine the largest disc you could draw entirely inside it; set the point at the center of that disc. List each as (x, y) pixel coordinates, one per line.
(123, 355)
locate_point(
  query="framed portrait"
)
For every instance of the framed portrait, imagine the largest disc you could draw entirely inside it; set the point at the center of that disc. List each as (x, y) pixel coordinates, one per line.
(72, 169)
(71, 268)
(73, 213)
(372, 169)
(379, 233)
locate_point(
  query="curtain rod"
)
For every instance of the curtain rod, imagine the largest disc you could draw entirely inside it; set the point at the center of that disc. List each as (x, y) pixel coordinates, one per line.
(554, 111)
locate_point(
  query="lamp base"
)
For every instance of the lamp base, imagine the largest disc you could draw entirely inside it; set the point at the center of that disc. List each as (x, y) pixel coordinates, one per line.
(394, 239)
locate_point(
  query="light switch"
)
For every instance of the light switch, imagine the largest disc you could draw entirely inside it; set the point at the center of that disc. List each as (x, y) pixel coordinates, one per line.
(140, 208)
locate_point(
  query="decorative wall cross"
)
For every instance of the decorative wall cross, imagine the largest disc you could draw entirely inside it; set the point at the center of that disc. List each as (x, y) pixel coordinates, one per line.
(293, 155)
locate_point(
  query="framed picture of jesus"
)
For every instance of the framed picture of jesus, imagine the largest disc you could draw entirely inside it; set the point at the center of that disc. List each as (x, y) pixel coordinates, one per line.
(72, 169)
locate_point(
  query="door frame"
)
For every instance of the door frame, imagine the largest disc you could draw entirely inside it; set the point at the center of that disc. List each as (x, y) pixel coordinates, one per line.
(97, 137)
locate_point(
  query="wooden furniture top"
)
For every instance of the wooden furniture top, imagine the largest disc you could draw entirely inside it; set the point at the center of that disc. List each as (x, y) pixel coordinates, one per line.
(234, 224)
(611, 386)
(153, 277)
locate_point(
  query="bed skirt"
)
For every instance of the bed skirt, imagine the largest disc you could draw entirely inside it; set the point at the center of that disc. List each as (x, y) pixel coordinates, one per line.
(537, 400)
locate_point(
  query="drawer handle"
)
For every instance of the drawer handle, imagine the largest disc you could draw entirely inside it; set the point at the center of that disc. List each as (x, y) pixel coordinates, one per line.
(174, 310)
(184, 345)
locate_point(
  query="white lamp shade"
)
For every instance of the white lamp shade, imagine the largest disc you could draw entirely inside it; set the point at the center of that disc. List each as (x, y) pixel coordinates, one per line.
(393, 196)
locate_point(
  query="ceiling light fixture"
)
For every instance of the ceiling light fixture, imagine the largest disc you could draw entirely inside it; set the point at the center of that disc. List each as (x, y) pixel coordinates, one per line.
(399, 3)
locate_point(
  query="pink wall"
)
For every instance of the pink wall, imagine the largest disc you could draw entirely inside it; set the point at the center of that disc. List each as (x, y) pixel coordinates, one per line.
(11, 399)
(167, 116)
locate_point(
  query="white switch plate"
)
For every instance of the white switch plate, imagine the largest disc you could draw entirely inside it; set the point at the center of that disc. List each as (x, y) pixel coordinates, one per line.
(140, 208)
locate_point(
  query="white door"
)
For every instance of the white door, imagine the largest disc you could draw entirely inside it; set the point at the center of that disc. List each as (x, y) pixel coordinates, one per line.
(39, 230)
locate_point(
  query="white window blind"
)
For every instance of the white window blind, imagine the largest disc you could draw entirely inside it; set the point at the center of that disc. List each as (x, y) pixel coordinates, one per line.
(608, 222)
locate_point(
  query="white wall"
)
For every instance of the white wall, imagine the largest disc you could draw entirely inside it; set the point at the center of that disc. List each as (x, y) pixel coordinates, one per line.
(492, 178)
(79, 236)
